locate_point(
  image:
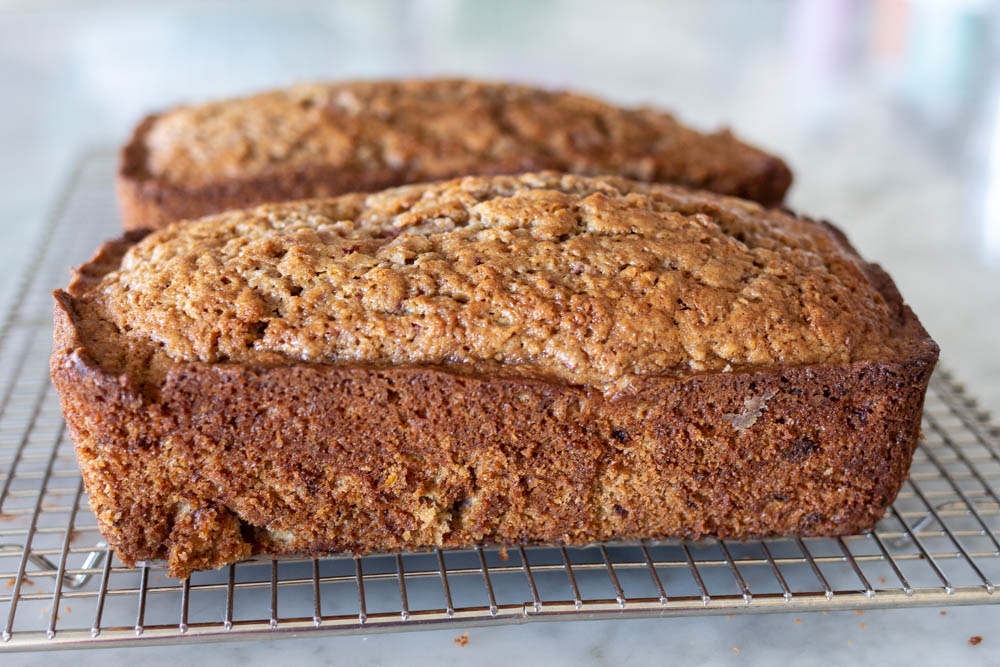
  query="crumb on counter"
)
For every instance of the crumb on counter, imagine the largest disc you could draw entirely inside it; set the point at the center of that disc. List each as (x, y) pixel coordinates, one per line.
(799, 621)
(975, 640)
(504, 556)
(943, 612)
(462, 639)
(735, 650)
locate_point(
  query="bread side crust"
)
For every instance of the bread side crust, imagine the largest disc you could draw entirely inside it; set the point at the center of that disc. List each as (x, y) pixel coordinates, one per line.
(222, 461)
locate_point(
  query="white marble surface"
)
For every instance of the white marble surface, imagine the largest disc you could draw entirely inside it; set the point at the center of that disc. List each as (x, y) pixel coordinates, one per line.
(905, 638)
(895, 139)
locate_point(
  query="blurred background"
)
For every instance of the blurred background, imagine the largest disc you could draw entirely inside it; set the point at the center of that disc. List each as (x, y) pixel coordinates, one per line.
(888, 111)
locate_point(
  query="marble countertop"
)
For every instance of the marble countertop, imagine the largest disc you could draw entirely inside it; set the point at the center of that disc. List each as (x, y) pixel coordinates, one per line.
(891, 122)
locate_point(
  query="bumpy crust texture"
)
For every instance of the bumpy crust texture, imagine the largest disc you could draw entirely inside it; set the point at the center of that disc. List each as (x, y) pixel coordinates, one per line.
(323, 140)
(584, 280)
(203, 463)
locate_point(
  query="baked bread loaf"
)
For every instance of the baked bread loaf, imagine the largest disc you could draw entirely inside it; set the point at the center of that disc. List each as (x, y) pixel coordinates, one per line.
(322, 140)
(543, 358)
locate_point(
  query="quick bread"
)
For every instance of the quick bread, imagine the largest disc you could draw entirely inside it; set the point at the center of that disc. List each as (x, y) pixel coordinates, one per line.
(328, 139)
(533, 358)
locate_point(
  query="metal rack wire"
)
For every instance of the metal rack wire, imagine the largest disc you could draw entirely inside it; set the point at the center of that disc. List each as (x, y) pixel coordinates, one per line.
(63, 588)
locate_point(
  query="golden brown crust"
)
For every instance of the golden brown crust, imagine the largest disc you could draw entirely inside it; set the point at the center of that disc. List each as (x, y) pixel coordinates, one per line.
(204, 463)
(323, 140)
(583, 280)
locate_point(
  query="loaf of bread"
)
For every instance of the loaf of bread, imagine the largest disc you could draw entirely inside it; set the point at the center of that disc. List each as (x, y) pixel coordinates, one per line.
(323, 140)
(535, 358)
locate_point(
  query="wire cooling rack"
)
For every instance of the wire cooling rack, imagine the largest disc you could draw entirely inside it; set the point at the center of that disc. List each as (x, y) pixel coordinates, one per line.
(61, 587)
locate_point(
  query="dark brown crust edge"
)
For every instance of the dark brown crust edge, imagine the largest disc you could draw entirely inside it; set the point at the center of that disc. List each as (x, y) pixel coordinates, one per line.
(222, 461)
(149, 203)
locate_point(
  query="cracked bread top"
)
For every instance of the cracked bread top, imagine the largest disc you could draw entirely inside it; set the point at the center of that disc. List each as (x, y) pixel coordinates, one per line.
(582, 280)
(441, 128)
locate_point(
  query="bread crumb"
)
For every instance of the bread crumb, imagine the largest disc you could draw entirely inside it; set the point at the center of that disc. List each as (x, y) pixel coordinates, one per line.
(68, 609)
(973, 641)
(850, 641)
(943, 612)
(825, 613)
(862, 626)
(753, 408)
(462, 639)
(881, 580)
(732, 616)
(504, 556)
(799, 621)
(858, 612)
(73, 536)
(26, 582)
(735, 650)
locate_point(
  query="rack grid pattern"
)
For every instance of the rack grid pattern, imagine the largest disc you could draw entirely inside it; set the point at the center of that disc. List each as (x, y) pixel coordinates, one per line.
(61, 587)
